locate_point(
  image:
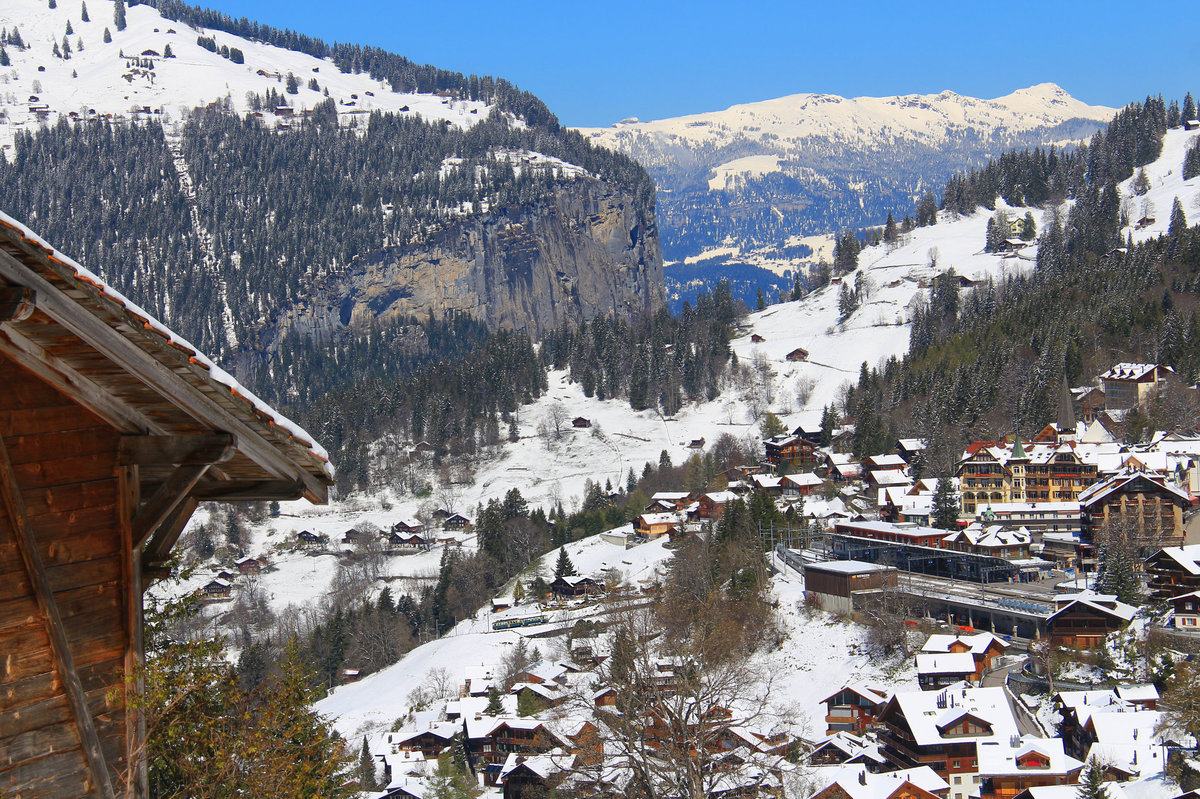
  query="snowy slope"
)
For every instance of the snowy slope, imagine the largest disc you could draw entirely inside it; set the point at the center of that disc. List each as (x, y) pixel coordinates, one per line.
(785, 123)
(372, 703)
(194, 77)
(820, 653)
(1166, 183)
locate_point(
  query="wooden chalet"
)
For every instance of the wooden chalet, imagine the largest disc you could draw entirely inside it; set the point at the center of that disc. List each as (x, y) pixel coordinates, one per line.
(793, 450)
(1174, 571)
(1185, 611)
(798, 354)
(581, 422)
(1151, 505)
(456, 521)
(711, 506)
(984, 648)
(249, 566)
(1084, 621)
(756, 338)
(112, 430)
(308, 537)
(852, 709)
(215, 589)
(576, 586)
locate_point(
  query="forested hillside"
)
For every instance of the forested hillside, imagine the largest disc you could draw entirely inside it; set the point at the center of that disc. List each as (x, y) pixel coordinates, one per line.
(233, 228)
(995, 360)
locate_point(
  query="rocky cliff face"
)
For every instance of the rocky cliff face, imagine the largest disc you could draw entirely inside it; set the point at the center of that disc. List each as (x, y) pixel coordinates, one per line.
(588, 249)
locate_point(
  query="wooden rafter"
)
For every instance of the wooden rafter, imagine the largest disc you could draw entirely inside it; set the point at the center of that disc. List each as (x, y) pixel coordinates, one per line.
(10, 492)
(16, 303)
(157, 375)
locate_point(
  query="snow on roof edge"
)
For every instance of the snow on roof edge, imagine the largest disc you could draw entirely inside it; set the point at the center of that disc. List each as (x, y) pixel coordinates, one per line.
(218, 374)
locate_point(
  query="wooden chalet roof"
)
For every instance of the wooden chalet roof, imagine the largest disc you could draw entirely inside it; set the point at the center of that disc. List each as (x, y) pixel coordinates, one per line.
(83, 337)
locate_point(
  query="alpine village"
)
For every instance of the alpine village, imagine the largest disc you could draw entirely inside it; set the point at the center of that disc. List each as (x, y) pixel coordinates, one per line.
(818, 448)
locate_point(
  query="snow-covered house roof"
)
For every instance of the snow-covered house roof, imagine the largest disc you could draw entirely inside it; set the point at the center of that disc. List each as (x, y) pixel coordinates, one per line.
(1128, 741)
(544, 766)
(976, 644)
(856, 782)
(1138, 693)
(1106, 604)
(1134, 371)
(889, 477)
(945, 663)
(931, 713)
(1100, 491)
(992, 536)
(1187, 556)
(865, 691)
(1012, 757)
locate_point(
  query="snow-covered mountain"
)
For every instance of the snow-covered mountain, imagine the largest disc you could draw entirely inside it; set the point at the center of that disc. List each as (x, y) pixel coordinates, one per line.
(746, 185)
(785, 125)
(129, 77)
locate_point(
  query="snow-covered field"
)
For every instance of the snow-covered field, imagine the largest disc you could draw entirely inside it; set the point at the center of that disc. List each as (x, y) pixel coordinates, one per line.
(97, 78)
(1166, 183)
(820, 653)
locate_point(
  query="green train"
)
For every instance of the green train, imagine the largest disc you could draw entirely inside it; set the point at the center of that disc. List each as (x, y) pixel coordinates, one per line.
(523, 621)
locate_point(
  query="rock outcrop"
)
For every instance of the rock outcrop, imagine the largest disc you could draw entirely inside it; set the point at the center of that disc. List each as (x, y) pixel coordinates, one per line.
(588, 249)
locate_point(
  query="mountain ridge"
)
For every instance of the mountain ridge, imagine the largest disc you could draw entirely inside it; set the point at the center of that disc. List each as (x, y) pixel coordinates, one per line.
(756, 178)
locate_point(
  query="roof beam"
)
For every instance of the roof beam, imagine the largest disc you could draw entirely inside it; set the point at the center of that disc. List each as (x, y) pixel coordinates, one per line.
(16, 303)
(169, 496)
(260, 491)
(184, 450)
(158, 550)
(66, 379)
(157, 375)
(64, 661)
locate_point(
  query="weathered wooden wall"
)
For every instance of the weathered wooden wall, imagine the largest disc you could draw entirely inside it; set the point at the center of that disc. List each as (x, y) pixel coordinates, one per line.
(64, 461)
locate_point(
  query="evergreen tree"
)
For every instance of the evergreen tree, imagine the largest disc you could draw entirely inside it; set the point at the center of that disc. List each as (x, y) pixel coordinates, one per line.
(83, 14)
(890, 233)
(167, 52)
(927, 210)
(945, 505)
(1091, 783)
(1191, 161)
(1188, 112)
(118, 14)
(847, 302)
(66, 49)
(771, 426)
(4, 61)
(564, 567)
(527, 704)
(53, 4)
(107, 35)
(366, 769)
(829, 423)
(451, 780)
(292, 84)
(761, 300)
(1178, 219)
(1028, 227)
(494, 706)
(69, 30)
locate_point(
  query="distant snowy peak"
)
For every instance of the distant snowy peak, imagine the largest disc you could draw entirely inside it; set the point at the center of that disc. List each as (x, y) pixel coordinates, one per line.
(132, 77)
(927, 118)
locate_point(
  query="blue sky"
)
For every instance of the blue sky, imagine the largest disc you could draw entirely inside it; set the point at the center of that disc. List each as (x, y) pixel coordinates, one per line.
(595, 63)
